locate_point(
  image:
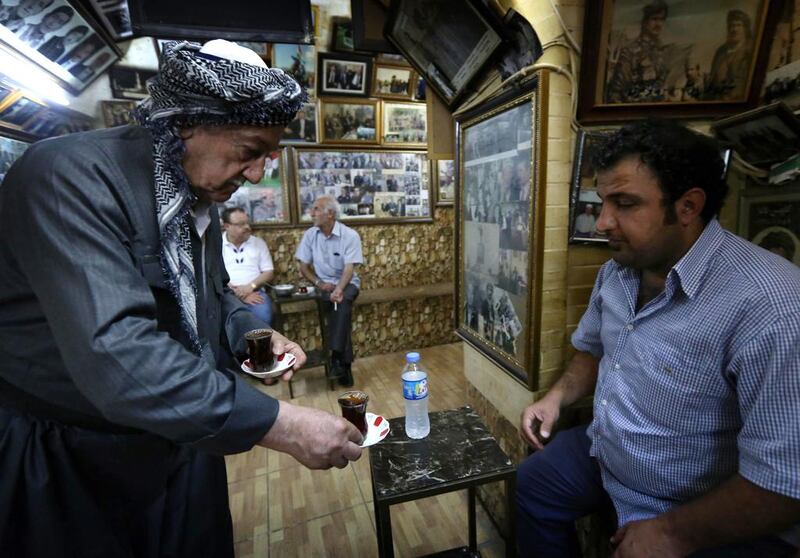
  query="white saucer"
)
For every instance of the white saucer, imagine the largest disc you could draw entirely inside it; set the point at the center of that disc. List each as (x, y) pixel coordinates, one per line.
(377, 429)
(282, 363)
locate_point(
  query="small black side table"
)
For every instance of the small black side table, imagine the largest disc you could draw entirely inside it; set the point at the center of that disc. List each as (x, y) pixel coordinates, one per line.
(317, 357)
(459, 453)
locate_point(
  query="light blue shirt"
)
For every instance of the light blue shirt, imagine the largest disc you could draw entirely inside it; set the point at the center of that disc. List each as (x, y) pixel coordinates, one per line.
(329, 254)
(702, 382)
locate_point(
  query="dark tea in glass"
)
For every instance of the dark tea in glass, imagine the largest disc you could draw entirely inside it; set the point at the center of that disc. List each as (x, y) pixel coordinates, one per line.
(354, 409)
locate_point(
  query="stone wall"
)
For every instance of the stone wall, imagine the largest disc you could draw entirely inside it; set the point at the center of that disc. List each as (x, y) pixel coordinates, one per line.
(400, 255)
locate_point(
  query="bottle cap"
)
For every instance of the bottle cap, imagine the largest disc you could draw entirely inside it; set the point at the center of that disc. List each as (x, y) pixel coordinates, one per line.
(412, 357)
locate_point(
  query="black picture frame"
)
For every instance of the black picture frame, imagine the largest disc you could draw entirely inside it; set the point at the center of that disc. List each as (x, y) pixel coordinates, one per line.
(369, 19)
(341, 83)
(770, 218)
(115, 17)
(447, 42)
(763, 136)
(75, 53)
(585, 204)
(128, 82)
(342, 35)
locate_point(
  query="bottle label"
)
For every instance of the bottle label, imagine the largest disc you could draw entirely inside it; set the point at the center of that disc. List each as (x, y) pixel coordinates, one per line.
(415, 389)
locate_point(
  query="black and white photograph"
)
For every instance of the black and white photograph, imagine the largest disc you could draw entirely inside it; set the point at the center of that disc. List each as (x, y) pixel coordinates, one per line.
(56, 36)
(349, 121)
(763, 136)
(771, 219)
(392, 82)
(303, 129)
(129, 83)
(367, 184)
(405, 124)
(344, 75)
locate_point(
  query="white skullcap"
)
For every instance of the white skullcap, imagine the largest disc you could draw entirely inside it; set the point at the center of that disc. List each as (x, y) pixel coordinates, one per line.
(231, 51)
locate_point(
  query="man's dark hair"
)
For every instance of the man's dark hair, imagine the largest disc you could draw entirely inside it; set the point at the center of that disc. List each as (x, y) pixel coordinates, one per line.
(654, 8)
(228, 211)
(780, 240)
(680, 158)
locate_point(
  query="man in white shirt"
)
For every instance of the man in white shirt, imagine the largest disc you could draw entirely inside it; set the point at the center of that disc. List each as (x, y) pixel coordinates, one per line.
(248, 262)
(586, 222)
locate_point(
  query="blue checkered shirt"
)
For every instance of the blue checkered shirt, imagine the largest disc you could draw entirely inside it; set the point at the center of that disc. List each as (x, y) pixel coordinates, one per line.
(702, 382)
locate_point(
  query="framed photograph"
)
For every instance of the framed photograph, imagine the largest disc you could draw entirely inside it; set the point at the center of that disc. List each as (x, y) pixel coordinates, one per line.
(673, 58)
(369, 19)
(349, 120)
(448, 41)
(129, 83)
(18, 109)
(499, 252)
(771, 219)
(405, 124)
(117, 113)
(10, 150)
(419, 90)
(370, 186)
(341, 74)
(115, 17)
(445, 181)
(300, 62)
(315, 21)
(392, 82)
(342, 35)
(303, 129)
(585, 204)
(266, 203)
(763, 136)
(60, 38)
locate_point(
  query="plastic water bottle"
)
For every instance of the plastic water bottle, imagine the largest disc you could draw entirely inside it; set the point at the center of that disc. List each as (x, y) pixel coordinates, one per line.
(415, 392)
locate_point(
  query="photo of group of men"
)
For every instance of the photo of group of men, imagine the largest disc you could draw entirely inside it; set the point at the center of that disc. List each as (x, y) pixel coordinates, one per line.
(671, 51)
(366, 185)
(263, 202)
(54, 30)
(349, 121)
(405, 123)
(344, 77)
(496, 207)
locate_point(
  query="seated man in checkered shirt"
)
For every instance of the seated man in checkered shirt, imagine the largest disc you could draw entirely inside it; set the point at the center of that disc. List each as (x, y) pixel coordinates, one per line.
(691, 346)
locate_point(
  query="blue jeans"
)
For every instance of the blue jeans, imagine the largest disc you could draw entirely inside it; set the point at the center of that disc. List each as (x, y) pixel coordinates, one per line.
(262, 311)
(562, 483)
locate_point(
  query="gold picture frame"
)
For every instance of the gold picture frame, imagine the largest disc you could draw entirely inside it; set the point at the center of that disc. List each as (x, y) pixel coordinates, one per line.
(404, 124)
(346, 121)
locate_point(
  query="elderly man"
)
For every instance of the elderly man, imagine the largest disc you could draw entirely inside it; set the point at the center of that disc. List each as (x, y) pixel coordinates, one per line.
(247, 261)
(334, 250)
(117, 326)
(731, 64)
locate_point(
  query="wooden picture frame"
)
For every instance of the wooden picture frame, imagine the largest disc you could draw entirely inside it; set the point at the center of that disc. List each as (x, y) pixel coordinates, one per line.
(404, 124)
(371, 186)
(344, 74)
(499, 230)
(685, 60)
(585, 204)
(762, 136)
(447, 42)
(445, 172)
(771, 219)
(61, 38)
(349, 121)
(268, 203)
(391, 81)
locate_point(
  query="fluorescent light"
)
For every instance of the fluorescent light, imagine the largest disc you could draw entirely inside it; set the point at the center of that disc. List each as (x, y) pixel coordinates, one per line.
(32, 78)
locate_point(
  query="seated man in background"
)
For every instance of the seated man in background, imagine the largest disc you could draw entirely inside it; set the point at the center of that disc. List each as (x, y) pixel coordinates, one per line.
(333, 249)
(691, 346)
(248, 262)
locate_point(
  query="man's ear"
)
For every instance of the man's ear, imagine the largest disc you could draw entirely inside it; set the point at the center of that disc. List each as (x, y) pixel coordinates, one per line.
(186, 132)
(690, 205)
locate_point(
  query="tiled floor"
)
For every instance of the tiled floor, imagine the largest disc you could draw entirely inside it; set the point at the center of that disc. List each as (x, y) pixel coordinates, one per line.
(280, 508)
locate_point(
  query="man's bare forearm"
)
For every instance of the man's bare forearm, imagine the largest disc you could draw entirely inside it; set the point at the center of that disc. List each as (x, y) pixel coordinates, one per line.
(579, 380)
(347, 274)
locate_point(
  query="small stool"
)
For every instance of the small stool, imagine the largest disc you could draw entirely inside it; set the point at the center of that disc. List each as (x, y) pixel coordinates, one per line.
(316, 357)
(459, 453)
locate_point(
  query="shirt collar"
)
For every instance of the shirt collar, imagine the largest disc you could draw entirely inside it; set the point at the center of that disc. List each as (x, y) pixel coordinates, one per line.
(694, 264)
(336, 231)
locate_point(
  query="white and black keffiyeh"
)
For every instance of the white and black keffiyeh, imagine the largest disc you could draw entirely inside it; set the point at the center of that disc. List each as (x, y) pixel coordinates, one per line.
(192, 87)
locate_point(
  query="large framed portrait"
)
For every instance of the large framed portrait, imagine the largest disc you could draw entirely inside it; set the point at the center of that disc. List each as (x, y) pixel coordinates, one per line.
(344, 74)
(445, 181)
(370, 186)
(303, 129)
(672, 58)
(448, 41)
(10, 150)
(300, 62)
(393, 82)
(59, 37)
(266, 203)
(585, 204)
(405, 124)
(762, 136)
(499, 232)
(771, 219)
(350, 120)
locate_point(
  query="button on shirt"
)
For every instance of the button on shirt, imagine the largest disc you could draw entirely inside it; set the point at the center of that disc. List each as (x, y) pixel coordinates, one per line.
(246, 262)
(330, 254)
(702, 382)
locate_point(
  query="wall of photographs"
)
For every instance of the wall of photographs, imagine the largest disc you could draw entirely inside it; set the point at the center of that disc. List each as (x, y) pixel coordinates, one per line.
(30, 118)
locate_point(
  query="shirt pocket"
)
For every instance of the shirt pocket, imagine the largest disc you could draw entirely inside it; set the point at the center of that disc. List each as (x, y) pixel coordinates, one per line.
(684, 377)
